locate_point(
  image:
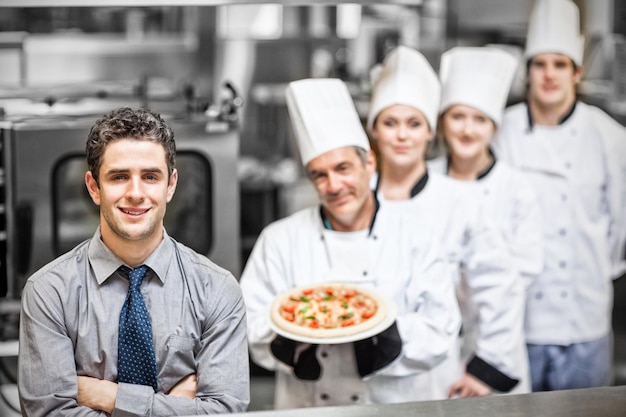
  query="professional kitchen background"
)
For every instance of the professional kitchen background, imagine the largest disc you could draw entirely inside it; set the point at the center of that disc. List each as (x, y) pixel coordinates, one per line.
(218, 71)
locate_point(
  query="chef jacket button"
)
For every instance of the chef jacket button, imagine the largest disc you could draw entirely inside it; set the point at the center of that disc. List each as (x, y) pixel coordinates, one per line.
(563, 264)
(539, 295)
(354, 398)
(563, 294)
(563, 197)
(486, 191)
(322, 237)
(562, 232)
(364, 273)
(324, 396)
(374, 237)
(574, 132)
(568, 165)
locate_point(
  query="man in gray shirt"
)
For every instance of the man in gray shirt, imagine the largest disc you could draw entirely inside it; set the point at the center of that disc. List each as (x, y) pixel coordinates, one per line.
(73, 308)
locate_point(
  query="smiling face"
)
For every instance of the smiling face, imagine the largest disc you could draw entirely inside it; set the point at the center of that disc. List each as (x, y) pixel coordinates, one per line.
(341, 179)
(552, 80)
(467, 132)
(402, 135)
(132, 191)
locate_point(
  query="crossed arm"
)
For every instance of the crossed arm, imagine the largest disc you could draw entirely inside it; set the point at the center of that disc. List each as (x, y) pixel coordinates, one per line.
(100, 395)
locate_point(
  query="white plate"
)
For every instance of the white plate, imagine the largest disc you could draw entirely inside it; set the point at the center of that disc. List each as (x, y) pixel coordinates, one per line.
(383, 325)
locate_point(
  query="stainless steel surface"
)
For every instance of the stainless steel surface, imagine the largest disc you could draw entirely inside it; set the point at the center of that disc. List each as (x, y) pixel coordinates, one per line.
(592, 402)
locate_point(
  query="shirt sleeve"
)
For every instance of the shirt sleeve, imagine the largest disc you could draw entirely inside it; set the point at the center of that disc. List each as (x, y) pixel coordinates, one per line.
(496, 293)
(614, 140)
(430, 327)
(222, 364)
(47, 372)
(259, 290)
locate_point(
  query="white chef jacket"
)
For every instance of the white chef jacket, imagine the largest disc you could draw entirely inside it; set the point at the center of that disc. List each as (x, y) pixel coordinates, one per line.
(577, 169)
(401, 263)
(486, 283)
(508, 200)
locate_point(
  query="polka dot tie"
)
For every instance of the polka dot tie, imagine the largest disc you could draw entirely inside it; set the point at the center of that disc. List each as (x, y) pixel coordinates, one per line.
(136, 362)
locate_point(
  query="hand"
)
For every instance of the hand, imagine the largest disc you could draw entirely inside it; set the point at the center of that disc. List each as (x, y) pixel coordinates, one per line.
(96, 394)
(186, 387)
(469, 386)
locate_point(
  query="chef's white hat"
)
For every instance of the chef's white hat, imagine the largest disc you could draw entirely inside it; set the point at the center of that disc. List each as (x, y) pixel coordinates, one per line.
(478, 77)
(324, 117)
(554, 27)
(405, 77)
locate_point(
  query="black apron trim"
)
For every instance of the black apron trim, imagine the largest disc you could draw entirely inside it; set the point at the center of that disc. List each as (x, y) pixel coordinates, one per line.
(490, 375)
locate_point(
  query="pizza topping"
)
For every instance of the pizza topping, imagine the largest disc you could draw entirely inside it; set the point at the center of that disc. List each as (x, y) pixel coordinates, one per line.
(328, 307)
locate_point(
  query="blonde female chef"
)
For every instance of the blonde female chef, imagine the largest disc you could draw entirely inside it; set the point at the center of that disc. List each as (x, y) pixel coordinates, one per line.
(401, 121)
(476, 83)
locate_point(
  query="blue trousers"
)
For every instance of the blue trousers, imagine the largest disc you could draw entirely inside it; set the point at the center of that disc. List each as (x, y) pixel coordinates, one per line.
(579, 365)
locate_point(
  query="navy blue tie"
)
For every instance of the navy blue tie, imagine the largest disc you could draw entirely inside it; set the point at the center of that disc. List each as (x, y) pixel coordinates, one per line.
(136, 362)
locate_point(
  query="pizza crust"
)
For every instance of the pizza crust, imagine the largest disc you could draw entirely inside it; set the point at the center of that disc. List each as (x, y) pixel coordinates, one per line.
(323, 333)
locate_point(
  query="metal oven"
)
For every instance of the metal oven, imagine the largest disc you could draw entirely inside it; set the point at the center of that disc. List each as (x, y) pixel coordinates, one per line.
(45, 209)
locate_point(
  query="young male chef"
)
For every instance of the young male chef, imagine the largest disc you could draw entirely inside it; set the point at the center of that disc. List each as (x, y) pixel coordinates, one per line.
(349, 238)
(574, 155)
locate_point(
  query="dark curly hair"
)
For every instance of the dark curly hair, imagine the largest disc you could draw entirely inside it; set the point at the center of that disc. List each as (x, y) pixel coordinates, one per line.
(127, 123)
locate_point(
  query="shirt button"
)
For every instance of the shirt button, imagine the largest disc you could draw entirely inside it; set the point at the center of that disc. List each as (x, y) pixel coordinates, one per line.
(354, 398)
(539, 295)
(563, 197)
(563, 264)
(364, 273)
(486, 192)
(562, 232)
(324, 354)
(324, 396)
(563, 294)
(568, 165)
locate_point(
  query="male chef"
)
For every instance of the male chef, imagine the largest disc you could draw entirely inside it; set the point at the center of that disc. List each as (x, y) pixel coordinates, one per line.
(574, 154)
(348, 238)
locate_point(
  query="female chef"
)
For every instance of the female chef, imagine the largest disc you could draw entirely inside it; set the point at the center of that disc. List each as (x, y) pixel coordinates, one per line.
(401, 121)
(476, 83)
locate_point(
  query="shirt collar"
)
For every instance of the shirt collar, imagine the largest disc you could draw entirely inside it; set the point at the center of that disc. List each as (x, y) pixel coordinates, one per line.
(105, 263)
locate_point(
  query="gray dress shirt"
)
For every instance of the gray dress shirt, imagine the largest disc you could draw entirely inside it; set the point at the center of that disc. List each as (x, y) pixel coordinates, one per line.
(69, 327)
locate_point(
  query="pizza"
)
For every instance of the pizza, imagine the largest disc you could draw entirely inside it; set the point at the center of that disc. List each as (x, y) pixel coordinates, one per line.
(327, 310)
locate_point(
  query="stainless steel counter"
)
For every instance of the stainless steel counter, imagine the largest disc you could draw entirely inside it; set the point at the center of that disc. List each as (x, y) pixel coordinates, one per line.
(596, 402)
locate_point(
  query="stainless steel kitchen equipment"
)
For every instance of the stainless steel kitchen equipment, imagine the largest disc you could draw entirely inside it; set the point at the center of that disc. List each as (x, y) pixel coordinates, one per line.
(47, 209)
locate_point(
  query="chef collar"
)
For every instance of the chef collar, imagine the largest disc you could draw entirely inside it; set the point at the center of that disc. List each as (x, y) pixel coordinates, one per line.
(481, 174)
(565, 118)
(417, 188)
(419, 185)
(328, 226)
